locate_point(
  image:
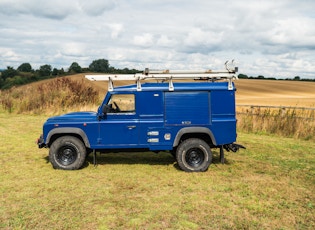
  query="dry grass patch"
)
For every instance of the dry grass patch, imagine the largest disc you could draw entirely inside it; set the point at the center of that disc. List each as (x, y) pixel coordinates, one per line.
(50, 97)
(288, 122)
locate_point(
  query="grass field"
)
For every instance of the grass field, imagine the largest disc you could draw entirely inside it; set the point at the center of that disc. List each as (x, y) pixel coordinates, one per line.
(270, 185)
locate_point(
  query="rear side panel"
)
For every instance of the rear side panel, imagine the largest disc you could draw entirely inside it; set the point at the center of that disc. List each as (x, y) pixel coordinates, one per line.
(187, 108)
(223, 116)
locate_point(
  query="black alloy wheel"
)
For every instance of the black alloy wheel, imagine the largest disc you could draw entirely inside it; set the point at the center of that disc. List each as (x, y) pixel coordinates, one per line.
(194, 157)
(66, 155)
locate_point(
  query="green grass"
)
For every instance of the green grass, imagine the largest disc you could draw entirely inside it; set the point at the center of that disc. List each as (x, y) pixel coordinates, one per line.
(270, 185)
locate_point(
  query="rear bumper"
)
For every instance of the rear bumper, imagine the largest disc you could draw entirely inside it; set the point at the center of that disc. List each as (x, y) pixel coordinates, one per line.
(41, 142)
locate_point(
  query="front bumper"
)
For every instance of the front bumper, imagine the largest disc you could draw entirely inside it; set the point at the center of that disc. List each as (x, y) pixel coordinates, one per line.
(41, 142)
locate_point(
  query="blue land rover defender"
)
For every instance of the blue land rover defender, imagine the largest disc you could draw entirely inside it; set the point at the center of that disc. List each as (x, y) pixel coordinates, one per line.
(186, 118)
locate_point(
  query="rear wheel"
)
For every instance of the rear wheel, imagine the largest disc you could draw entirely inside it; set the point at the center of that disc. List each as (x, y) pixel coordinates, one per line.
(194, 155)
(67, 153)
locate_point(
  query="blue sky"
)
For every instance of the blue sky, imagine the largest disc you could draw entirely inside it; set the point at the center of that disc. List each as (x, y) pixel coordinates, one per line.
(270, 38)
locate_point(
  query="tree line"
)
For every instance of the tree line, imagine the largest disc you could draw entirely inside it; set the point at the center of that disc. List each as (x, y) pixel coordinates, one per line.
(25, 74)
(260, 77)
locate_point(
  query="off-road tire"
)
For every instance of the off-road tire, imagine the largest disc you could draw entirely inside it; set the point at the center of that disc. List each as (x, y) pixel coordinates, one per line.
(194, 155)
(67, 153)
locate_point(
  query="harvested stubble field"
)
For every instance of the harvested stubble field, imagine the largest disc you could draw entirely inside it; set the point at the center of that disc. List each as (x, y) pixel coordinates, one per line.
(270, 185)
(275, 93)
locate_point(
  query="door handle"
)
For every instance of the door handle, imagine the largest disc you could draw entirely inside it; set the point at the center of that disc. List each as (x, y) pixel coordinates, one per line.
(131, 127)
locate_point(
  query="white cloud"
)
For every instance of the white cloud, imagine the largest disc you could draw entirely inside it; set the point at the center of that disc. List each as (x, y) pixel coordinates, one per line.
(96, 7)
(9, 55)
(116, 29)
(145, 40)
(72, 49)
(202, 41)
(165, 41)
(57, 9)
(47, 9)
(294, 32)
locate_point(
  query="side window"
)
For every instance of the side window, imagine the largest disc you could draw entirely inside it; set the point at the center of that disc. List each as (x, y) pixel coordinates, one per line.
(122, 103)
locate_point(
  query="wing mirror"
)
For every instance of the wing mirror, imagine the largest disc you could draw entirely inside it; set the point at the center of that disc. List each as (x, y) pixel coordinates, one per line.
(107, 109)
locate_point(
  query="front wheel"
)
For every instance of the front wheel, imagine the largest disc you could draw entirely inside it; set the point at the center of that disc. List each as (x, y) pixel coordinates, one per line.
(67, 153)
(194, 155)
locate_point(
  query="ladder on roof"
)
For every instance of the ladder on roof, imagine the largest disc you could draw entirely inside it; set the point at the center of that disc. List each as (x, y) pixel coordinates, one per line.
(169, 75)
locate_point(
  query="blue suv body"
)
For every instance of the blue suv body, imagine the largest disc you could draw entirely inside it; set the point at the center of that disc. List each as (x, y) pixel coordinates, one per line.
(187, 121)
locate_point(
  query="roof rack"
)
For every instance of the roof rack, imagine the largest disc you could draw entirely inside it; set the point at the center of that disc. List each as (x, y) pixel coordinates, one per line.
(170, 75)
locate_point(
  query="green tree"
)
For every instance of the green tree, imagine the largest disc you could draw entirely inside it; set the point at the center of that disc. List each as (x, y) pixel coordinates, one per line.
(55, 72)
(25, 67)
(44, 70)
(99, 66)
(8, 73)
(242, 76)
(75, 68)
(296, 78)
(1, 82)
(61, 71)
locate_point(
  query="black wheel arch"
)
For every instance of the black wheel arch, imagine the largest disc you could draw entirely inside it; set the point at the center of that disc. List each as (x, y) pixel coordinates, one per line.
(195, 132)
(65, 131)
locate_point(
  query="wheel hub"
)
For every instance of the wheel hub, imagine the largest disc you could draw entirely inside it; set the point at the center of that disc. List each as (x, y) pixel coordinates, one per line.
(194, 157)
(67, 155)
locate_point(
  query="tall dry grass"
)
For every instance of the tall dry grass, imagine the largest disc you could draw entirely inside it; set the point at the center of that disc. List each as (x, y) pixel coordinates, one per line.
(56, 96)
(284, 121)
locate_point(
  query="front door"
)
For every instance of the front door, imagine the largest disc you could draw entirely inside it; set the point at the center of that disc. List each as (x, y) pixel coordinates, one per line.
(120, 126)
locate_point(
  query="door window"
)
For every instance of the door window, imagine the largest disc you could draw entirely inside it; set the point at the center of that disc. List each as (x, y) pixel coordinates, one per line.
(122, 103)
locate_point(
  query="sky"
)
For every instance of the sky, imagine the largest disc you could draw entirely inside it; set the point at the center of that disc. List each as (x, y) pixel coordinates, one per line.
(273, 38)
